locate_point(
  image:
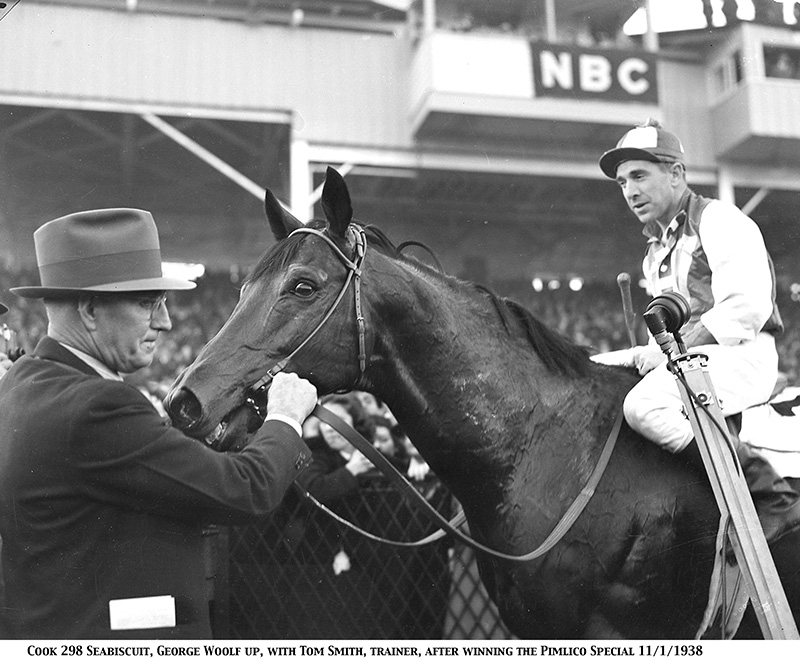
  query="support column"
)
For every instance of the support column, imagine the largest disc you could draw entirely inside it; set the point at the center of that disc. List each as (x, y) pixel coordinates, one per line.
(725, 189)
(428, 16)
(550, 20)
(300, 184)
(650, 35)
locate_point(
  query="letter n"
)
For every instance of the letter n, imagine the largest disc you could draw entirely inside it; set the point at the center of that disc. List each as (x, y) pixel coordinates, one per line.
(556, 71)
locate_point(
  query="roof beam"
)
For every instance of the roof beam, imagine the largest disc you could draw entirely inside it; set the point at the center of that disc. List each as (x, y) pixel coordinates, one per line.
(195, 112)
(755, 200)
(205, 155)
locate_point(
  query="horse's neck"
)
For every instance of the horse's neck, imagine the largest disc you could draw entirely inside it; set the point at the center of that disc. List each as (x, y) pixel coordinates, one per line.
(441, 336)
(463, 388)
(435, 337)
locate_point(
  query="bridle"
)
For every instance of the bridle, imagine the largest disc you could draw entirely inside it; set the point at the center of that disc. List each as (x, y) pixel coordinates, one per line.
(354, 268)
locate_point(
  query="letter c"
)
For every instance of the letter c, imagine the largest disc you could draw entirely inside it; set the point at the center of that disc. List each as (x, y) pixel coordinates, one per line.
(625, 74)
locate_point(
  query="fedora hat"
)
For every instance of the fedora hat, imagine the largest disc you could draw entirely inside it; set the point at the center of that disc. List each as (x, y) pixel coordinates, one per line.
(102, 251)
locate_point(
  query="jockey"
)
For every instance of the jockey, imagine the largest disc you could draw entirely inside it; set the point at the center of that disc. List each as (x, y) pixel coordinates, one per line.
(713, 255)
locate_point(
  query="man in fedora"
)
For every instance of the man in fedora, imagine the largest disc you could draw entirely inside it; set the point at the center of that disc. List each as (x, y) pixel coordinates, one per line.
(102, 502)
(713, 255)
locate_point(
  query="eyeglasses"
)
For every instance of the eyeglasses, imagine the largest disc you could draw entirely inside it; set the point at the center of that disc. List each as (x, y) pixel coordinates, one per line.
(150, 304)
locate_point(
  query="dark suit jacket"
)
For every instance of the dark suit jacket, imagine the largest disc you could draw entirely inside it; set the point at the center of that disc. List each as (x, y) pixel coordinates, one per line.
(101, 499)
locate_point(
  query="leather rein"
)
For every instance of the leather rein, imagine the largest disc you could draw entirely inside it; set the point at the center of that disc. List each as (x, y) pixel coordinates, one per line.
(354, 268)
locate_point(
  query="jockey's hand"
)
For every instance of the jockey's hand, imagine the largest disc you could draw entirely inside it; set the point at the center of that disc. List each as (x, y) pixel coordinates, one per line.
(642, 358)
(623, 358)
(647, 358)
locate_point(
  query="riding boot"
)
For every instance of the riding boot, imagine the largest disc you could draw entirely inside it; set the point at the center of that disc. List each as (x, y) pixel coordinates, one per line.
(776, 502)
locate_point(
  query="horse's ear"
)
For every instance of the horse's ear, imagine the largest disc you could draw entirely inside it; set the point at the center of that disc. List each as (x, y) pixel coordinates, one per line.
(281, 221)
(336, 202)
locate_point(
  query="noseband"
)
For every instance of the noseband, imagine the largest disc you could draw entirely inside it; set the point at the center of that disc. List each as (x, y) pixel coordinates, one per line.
(354, 267)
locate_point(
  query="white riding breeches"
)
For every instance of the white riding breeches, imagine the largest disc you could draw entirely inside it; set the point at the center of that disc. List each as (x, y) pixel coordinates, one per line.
(743, 375)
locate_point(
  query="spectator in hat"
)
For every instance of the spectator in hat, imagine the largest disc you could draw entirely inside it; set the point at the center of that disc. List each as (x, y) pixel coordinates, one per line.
(102, 502)
(713, 255)
(5, 358)
(708, 12)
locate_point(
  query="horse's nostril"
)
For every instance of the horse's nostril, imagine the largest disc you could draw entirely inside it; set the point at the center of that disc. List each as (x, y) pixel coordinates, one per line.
(184, 409)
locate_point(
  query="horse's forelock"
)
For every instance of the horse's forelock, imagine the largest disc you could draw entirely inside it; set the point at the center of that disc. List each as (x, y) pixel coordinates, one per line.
(280, 254)
(274, 259)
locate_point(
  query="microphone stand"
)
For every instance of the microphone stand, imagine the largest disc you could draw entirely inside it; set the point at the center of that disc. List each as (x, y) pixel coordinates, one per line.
(664, 316)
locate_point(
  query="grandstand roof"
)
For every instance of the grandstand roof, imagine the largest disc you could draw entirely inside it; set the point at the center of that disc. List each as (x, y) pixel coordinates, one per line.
(340, 14)
(372, 14)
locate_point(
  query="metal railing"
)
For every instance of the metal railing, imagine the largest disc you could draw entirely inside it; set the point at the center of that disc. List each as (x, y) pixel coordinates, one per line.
(302, 575)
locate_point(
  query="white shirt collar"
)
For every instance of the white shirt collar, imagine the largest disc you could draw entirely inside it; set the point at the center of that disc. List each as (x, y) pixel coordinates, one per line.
(94, 363)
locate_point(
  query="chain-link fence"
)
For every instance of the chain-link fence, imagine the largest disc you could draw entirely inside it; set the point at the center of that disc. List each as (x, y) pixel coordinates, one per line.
(303, 575)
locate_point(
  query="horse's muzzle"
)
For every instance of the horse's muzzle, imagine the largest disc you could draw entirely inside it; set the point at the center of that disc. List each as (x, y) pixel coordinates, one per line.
(230, 433)
(184, 409)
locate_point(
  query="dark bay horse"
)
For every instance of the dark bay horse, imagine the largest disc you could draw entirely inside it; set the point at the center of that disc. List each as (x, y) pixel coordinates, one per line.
(509, 414)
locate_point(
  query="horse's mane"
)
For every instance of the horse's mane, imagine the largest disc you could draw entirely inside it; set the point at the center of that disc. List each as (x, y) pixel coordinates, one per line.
(558, 353)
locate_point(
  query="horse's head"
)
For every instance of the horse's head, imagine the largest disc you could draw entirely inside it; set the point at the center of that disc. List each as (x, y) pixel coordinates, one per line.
(296, 311)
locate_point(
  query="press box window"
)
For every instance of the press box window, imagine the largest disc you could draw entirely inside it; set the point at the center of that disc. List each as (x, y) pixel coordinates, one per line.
(781, 62)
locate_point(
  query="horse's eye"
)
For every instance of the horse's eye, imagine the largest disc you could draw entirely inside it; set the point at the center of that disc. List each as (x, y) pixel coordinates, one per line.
(304, 289)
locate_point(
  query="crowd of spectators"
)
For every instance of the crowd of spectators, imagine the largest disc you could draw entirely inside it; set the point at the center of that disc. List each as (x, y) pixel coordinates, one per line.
(598, 29)
(582, 30)
(591, 316)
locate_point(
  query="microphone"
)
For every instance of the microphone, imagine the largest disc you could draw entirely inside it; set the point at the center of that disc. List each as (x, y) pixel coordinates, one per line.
(664, 316)
(657, 325)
